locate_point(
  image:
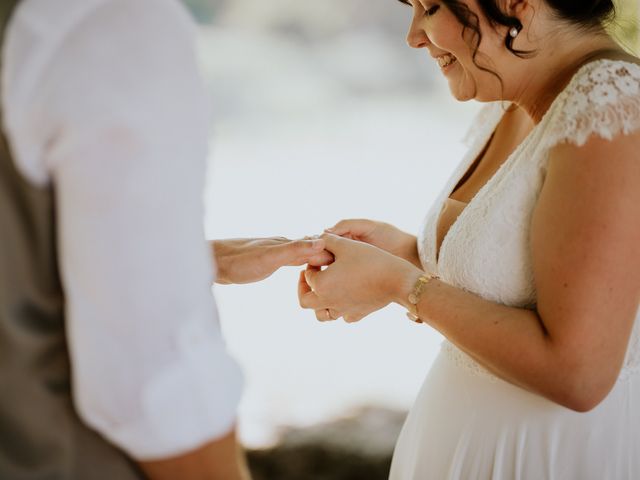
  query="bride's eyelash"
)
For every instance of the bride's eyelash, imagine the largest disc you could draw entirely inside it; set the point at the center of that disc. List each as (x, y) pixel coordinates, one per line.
(430, 11)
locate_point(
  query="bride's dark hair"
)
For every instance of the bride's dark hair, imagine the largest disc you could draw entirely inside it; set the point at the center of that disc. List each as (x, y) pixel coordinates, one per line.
(586, 14)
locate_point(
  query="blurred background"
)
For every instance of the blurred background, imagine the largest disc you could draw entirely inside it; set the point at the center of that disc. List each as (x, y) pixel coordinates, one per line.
(321, 113)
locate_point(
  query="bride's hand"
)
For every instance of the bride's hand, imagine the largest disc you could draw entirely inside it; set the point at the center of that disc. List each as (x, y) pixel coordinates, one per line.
(361, 280)
(381, 235)
(247, 260)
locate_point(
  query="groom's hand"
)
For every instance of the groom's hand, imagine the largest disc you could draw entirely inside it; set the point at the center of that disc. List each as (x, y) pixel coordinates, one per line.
(247, 260)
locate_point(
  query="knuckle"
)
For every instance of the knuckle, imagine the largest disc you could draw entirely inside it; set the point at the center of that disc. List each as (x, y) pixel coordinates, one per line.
(352, 318)
(342, 223)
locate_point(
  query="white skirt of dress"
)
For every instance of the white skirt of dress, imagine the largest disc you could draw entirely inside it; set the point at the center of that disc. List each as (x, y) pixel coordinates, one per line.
(470, 426)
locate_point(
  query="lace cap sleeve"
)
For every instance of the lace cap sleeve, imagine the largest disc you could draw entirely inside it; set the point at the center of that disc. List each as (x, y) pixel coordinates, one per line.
(602, 99)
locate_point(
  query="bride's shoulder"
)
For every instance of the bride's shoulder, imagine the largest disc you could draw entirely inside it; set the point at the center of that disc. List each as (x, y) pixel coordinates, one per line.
(606, 81)
(603, 98)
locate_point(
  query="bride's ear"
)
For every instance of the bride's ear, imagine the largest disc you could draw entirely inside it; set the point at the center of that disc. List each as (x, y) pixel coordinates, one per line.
(519, 8)
(525, 12)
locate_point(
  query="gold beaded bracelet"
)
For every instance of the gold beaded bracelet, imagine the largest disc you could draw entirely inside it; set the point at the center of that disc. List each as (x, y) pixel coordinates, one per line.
(416, 293)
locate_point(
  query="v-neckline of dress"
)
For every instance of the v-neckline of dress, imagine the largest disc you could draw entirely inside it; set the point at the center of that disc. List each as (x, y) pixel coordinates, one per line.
(479, 146)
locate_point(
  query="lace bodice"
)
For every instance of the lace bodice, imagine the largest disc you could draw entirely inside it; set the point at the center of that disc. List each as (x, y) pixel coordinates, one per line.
(487, 249)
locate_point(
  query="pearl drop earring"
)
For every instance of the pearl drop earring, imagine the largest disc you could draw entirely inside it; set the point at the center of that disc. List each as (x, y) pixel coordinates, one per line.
(514, 32)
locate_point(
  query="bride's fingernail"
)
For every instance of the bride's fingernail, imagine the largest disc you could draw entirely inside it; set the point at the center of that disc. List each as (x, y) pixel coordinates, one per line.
(330, 229)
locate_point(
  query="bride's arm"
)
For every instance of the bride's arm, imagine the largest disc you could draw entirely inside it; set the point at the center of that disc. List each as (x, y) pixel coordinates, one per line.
(585, 237)
(585, 244)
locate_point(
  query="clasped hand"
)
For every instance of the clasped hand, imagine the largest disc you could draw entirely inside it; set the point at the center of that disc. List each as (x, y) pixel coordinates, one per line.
(353, 269)
(374, 264)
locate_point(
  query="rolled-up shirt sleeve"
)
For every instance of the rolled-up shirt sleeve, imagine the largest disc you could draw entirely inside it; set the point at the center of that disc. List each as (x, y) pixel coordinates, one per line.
(117, 117)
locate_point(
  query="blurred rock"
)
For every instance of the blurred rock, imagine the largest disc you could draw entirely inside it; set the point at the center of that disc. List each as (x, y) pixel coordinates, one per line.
(357, 447)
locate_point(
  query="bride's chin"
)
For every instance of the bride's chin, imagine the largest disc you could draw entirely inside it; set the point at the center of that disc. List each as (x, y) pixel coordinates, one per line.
(463, 89)
(462, 95)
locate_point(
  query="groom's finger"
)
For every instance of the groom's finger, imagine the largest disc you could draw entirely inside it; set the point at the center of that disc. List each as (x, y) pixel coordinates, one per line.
(299, 252)
(321, 259)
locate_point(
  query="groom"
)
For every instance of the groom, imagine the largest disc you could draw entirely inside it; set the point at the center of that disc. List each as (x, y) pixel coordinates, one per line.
(112, 365)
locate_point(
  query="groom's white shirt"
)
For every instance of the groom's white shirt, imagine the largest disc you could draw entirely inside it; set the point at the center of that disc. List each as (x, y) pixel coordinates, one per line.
(103, 99)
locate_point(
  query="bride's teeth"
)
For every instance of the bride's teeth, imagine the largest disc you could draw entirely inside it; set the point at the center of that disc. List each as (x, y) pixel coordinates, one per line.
(446, 60)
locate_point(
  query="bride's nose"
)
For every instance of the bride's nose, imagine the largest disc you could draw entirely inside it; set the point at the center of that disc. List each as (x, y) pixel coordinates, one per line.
(416, 36)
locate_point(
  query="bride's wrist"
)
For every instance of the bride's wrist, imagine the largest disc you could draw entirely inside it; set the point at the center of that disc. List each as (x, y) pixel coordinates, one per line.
(404, 282)
(409, 250)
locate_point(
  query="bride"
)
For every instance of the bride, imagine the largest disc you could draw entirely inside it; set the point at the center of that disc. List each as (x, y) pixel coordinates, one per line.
(529, 261)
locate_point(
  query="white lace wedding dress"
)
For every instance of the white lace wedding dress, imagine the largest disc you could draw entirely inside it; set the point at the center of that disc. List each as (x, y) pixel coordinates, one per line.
(466, 423)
